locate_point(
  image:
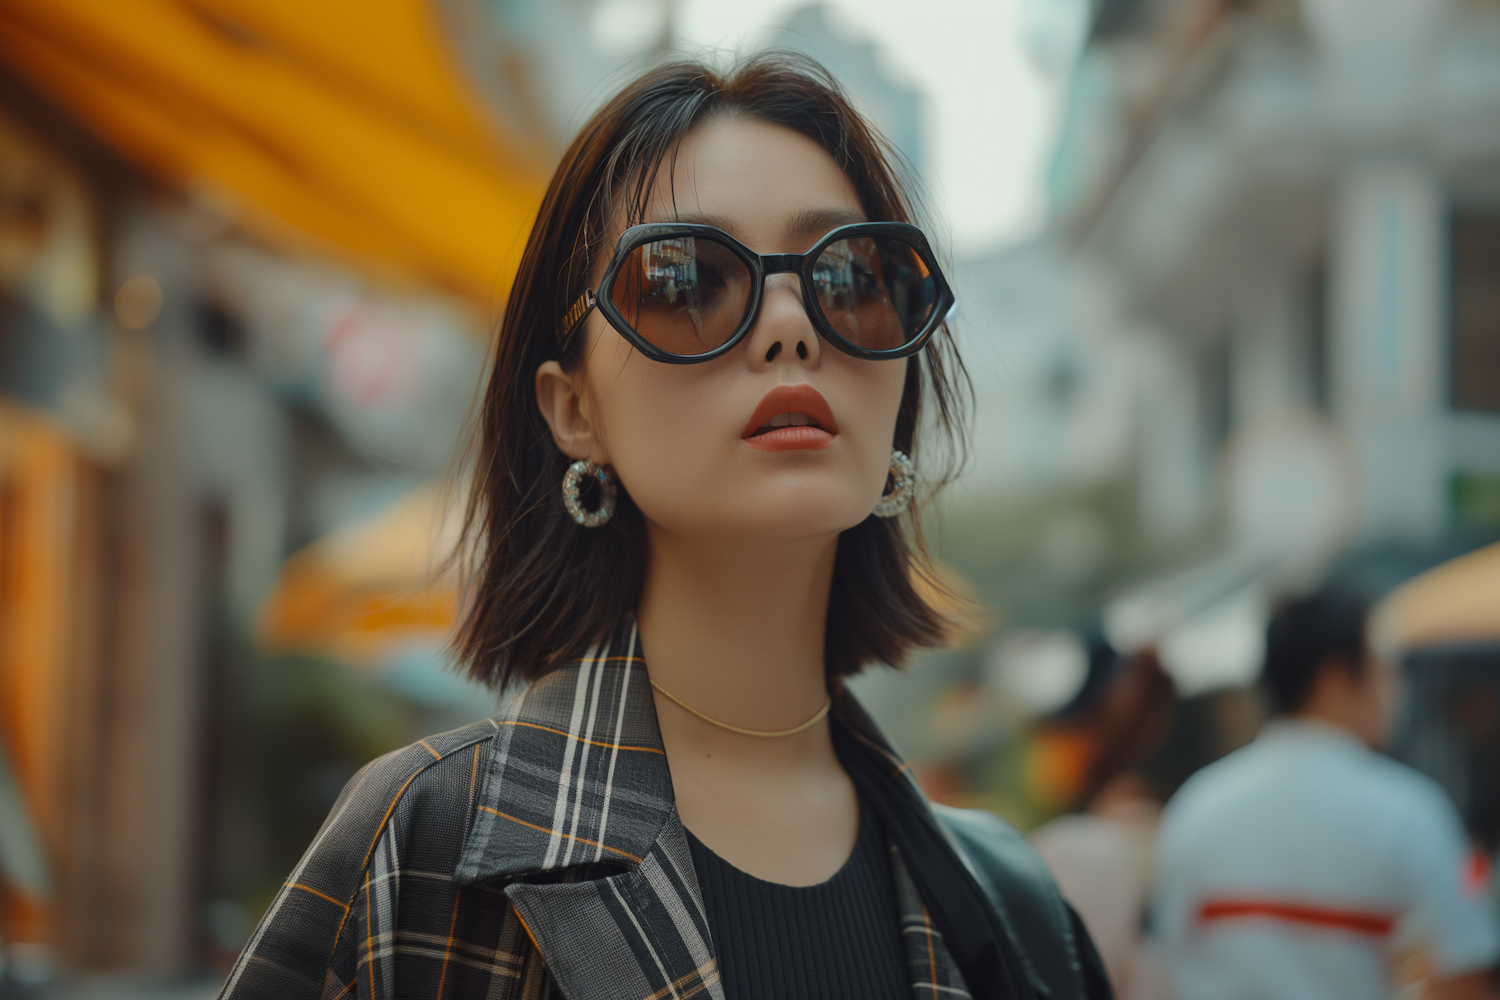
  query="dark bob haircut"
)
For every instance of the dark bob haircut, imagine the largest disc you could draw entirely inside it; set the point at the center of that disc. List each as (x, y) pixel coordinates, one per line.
(542, 589)
(1309, 634)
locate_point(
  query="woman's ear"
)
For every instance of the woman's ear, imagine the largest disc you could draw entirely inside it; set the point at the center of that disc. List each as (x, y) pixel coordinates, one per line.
(567, 410)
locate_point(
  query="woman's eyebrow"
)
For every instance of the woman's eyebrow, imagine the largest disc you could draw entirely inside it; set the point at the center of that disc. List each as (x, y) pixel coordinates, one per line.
(699, 219)
(817, 221)
(806, 225)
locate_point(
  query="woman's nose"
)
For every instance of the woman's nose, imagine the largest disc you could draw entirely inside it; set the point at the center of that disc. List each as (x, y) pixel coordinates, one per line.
(783, 326)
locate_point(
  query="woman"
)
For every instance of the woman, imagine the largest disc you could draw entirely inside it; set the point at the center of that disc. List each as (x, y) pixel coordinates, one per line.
(693, 447)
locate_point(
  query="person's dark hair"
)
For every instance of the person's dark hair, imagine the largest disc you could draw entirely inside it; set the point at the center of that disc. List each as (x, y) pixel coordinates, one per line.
(1305, 634)
(542, 589)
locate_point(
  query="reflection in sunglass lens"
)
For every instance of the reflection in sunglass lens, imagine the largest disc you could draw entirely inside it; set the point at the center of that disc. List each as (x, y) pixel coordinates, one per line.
(876, 291)
(686, 295)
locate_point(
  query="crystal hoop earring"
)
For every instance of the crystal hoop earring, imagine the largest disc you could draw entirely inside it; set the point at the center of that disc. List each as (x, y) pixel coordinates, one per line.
(903, 489)
(573, 481)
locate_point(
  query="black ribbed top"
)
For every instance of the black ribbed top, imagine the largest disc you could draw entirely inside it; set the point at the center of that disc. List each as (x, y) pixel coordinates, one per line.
(838, 940)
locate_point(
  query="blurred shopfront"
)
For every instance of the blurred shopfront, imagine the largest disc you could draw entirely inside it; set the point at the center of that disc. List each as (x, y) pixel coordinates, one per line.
(247, 254)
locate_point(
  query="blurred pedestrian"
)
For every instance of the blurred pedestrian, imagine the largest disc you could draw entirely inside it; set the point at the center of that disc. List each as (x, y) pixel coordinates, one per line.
(1101, 854)
(694, 447)
(1101, 857)
(1307, 865)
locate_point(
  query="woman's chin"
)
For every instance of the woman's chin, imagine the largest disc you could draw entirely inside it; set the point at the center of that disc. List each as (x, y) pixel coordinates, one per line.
(799, 524)
(782, 521)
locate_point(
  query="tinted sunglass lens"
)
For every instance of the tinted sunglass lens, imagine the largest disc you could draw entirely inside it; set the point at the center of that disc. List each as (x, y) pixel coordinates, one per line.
(685, 295)
(876, 291)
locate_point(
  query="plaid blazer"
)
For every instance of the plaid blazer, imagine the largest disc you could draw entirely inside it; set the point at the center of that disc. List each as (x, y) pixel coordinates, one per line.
(536, 854)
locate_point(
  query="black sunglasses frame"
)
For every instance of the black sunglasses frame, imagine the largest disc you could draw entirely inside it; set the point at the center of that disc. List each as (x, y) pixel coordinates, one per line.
(759, 266)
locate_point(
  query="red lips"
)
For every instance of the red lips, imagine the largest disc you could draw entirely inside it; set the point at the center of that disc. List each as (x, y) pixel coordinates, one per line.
(801, 398)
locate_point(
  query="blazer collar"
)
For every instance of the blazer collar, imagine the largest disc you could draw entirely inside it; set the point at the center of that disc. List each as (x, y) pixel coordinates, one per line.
(577, 775)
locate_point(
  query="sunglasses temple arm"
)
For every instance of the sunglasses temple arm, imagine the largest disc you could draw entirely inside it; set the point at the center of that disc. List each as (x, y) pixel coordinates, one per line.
(576, 315)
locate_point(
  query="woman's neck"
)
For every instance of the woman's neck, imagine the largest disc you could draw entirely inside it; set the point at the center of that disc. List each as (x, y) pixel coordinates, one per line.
(737, 632)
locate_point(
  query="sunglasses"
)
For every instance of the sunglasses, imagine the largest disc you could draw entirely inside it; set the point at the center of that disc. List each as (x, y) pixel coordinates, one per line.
(684, 293)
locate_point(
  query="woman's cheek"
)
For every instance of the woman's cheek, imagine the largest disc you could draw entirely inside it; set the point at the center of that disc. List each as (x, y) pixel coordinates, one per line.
(666, 468)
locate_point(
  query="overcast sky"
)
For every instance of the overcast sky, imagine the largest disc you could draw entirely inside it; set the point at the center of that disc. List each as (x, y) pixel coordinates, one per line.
(983, 69)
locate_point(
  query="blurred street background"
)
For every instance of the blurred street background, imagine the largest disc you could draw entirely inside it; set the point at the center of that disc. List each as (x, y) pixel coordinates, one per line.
(1229, 281)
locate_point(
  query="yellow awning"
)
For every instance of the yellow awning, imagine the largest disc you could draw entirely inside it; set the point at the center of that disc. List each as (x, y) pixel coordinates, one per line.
(339, 125)
(1458, 601)
(358, 591)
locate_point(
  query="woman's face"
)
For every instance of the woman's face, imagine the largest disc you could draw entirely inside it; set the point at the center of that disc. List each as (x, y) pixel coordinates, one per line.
(683, 438)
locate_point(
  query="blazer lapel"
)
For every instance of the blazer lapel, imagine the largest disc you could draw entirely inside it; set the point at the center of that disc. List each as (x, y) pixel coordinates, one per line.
(642, 933)
(576, 775)
(929, 965)
(575, 812)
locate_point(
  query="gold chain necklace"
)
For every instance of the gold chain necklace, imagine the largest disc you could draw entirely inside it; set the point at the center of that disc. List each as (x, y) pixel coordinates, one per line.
(749, 732)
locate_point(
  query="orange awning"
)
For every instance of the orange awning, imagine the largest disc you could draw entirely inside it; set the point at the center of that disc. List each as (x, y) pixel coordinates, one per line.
(358, 591)
(339, 125)
(1458, 601)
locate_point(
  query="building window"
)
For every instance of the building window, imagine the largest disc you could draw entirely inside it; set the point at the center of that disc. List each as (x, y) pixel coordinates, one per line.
(1476, 310)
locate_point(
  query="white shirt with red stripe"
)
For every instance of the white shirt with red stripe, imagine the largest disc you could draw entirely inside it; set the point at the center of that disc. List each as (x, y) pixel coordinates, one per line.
(1296, 868)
